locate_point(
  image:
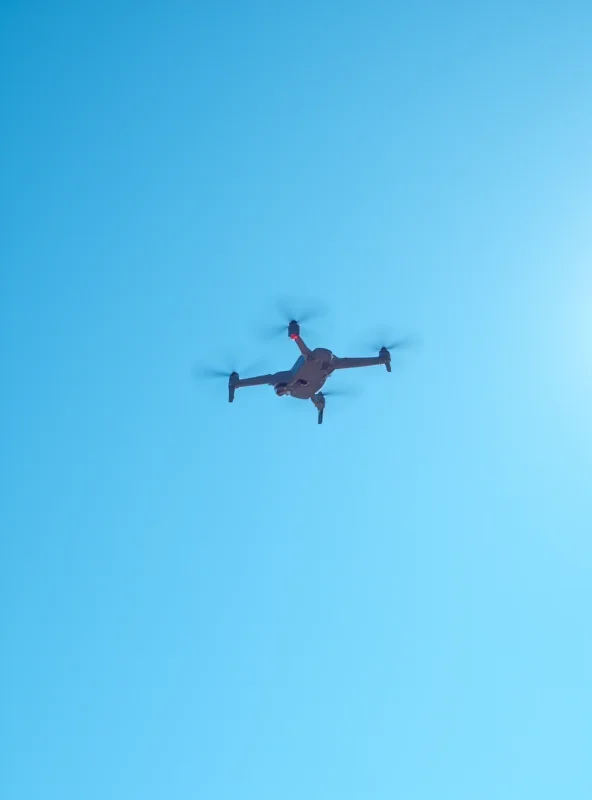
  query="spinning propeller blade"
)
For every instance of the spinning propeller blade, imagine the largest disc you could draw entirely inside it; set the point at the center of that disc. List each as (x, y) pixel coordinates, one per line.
(214, 373)
(342, 391)
(288, 311)
(209, 372)
(396, 344)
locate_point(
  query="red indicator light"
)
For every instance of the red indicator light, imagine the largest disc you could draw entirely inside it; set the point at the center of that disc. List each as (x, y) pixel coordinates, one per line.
(293, 336)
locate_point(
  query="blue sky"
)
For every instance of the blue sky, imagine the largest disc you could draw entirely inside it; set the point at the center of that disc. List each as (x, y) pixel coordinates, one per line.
(222, 602)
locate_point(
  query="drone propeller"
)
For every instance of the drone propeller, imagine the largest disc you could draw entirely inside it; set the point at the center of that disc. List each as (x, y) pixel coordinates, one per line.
(209, 372)
(214, 373)
(288, 312)
(398, 344)
(343, 391)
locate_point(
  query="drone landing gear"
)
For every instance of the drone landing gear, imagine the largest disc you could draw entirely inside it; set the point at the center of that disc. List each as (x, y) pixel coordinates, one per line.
(319, 402)
(232, 381)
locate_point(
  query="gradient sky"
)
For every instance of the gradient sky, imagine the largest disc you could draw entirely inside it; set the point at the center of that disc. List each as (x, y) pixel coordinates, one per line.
(223, 602)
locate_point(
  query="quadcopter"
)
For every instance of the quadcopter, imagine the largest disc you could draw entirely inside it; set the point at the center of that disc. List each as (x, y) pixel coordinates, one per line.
(307, 377)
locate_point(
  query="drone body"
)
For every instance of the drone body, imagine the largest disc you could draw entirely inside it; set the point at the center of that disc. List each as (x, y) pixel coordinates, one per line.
(307, 377)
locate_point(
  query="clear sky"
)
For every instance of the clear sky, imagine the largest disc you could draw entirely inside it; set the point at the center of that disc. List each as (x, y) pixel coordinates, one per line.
(201, 600)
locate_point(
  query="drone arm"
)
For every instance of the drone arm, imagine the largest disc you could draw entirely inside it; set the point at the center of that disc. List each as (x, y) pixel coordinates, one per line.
(350, 363)
(301, 346)
(235, 383)
(259, 380)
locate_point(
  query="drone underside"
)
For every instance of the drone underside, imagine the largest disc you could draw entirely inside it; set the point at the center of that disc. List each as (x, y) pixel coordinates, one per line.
(308, 375)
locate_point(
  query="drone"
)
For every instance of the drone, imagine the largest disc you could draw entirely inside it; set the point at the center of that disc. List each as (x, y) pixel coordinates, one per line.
(305, 380)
